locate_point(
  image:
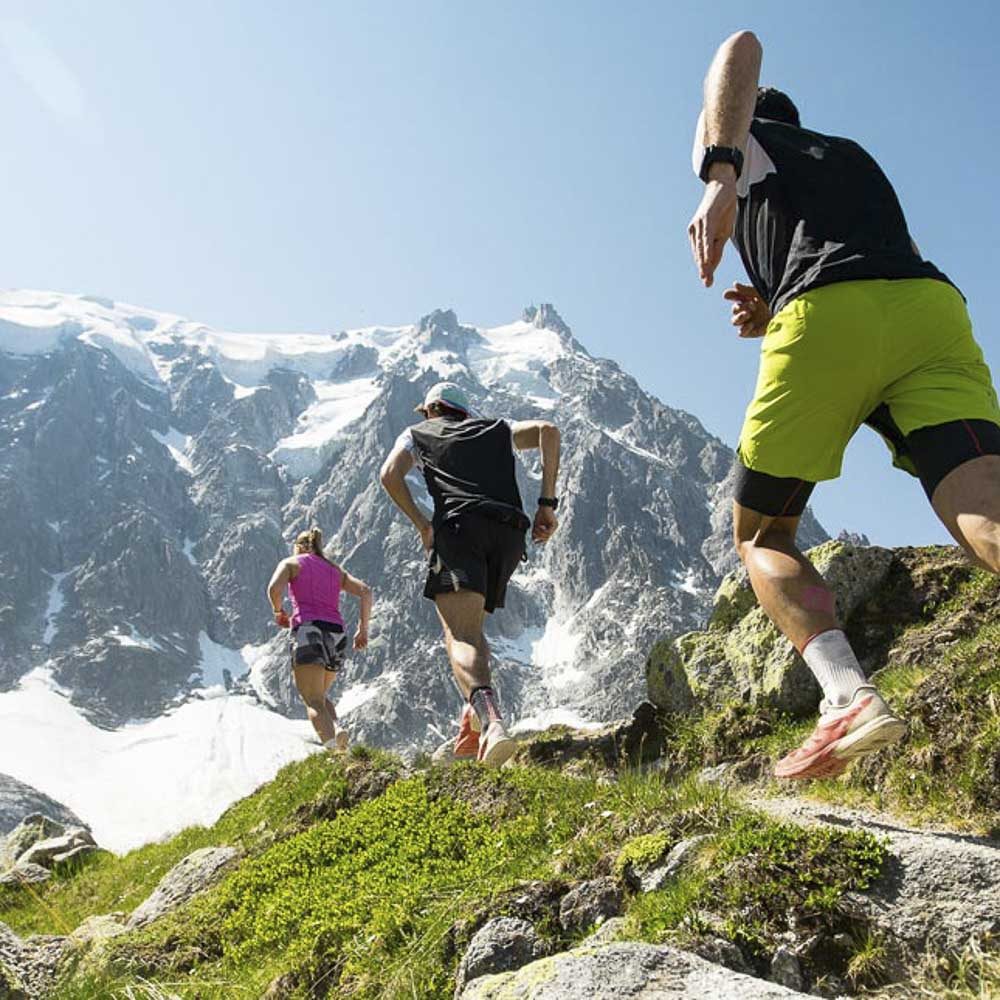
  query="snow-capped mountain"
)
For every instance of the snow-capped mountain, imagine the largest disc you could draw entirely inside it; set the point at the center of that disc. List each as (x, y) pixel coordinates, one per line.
(153, 471)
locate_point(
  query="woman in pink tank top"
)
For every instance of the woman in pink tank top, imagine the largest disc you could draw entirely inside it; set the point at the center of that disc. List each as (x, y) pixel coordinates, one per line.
(319, 644)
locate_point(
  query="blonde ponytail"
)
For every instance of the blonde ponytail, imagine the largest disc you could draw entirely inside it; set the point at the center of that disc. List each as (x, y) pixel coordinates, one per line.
(311, 541)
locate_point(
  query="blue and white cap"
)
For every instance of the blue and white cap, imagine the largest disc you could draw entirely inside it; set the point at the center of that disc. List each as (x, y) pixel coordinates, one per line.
(448, 393)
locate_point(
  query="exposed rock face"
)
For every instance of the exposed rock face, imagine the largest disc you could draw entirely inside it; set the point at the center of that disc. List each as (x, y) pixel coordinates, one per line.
(18, 800)
(199, 870)
(623, 971)
(28, 968)
(590, 904)
(498, 946)
(742, 656)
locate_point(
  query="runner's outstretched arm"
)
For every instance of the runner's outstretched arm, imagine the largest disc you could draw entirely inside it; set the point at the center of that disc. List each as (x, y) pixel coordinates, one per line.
(545, 436)
(393, 479)
(730, 95)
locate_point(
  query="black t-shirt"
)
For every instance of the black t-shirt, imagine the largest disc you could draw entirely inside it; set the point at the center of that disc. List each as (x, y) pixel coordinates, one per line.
(816, 209)
(467, 465)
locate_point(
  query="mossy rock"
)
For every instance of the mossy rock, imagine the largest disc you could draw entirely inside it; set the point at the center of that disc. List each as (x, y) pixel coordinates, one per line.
(666, 679)
(742, 656)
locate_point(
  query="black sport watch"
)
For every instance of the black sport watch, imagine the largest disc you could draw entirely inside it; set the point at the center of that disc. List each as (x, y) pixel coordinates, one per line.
(721, 154)
(552, 502)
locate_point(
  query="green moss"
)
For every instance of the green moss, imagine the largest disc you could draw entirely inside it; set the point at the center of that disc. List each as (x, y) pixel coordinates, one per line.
(642, 852)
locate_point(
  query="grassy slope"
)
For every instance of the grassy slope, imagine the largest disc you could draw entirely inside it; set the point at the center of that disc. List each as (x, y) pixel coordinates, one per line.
(375, 885)
(380, 900)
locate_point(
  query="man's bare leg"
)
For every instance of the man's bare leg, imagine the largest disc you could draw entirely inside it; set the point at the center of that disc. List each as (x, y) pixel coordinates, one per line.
(796, 598)
(462, 614)
(790, 590)
(967, 501)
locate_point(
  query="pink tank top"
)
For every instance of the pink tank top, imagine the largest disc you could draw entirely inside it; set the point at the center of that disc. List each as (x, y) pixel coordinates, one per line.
(316, 591)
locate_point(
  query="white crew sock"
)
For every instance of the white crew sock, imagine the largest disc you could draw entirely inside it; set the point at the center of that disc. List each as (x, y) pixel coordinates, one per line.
(833, 663)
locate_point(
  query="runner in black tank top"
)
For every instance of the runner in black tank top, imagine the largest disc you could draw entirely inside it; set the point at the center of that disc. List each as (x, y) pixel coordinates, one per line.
(475, 539)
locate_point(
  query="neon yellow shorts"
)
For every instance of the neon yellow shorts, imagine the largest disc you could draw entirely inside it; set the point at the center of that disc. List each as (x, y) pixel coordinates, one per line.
(897, 354)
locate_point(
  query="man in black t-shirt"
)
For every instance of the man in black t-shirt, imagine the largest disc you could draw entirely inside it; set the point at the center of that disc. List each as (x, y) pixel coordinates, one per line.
(476, 537)
(858, 328)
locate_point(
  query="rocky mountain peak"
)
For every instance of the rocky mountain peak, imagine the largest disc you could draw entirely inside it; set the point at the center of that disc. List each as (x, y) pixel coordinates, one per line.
(545, 317)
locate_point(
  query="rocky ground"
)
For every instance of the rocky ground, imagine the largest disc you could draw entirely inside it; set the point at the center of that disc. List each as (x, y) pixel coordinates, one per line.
(653, 858)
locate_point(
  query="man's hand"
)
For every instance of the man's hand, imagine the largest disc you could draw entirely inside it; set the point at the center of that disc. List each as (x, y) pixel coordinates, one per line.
(714, 220)
(427, 536)
(545, 525)
(750, 312)
(281, 619)
(361, 638)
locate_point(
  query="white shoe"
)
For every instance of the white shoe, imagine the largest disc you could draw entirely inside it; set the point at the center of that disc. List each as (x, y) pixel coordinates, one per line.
(340, 738)
(496, 747)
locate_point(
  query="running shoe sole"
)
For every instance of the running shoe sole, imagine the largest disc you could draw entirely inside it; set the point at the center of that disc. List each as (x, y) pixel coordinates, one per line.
(879, 732)
(498, 753)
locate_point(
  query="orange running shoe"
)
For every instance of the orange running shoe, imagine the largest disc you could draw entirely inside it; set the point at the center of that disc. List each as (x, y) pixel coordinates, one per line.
(465, 746)
(860, 727)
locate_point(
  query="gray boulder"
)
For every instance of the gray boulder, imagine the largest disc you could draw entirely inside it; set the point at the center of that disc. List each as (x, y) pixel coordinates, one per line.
(590, 904)
(53, 849)
(198, 871)
(624, 971)
(785, 968)
(25, 873)
(500, 945)
(32, 829)
(28, 968)
(19, 800)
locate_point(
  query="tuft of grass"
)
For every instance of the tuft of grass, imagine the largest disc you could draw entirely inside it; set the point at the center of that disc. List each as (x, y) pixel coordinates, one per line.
(869, 962)
(972, 975)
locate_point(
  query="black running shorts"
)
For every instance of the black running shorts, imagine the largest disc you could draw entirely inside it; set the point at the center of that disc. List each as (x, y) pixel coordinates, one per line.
(319, 642)
(474, 552)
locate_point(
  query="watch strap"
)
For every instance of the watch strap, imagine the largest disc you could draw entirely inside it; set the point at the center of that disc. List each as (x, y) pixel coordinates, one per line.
(721, 154)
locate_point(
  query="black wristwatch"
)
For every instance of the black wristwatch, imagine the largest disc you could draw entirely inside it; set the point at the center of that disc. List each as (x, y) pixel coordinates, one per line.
(721, 154)
(552, 502)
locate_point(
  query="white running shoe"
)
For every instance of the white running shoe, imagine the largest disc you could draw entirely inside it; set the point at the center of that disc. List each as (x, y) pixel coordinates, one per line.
(338, 744)
(495, 746)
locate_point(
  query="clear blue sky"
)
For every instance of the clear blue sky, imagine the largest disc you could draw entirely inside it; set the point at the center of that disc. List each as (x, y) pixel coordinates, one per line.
(315, 166)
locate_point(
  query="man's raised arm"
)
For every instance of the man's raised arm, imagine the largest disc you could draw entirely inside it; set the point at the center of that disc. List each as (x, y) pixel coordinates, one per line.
(730, 95)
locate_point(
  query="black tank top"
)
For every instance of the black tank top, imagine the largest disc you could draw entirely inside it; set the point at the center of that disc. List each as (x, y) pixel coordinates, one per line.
(822, 211)
(469, 466)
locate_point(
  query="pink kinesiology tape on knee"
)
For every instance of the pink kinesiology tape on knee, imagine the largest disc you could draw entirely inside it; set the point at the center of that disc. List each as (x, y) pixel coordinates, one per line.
(818, 599)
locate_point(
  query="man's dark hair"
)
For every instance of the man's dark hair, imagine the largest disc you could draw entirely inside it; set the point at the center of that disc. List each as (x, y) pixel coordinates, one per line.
(777, 106)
